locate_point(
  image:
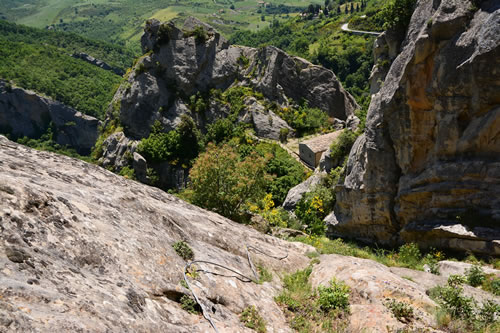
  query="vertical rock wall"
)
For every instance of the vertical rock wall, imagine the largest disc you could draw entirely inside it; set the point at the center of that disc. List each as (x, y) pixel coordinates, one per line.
(428, 167)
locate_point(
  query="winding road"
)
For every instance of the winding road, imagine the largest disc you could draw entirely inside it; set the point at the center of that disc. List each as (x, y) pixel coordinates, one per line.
(345, 27)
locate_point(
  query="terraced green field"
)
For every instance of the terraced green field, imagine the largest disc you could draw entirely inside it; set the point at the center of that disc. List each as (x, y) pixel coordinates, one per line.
(121, 21)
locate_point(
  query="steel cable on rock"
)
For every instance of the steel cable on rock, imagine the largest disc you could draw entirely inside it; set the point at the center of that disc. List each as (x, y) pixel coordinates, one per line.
(246, 278)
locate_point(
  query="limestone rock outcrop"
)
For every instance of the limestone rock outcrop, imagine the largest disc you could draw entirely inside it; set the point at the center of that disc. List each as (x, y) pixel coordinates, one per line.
(99, 63)
(428, 167)
(183, 66)
(82, 249)
(297, 192)
(25, 113)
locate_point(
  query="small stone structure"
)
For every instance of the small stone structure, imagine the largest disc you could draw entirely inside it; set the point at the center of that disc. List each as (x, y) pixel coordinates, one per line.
(310, 151)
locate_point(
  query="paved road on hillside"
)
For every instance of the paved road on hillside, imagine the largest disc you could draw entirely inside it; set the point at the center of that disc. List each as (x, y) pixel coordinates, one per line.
(345, 27)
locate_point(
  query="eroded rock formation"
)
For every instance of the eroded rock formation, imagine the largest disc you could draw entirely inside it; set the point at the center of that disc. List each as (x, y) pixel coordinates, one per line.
(181, 66)
(25, 113)
(428, 167)
(82, 249)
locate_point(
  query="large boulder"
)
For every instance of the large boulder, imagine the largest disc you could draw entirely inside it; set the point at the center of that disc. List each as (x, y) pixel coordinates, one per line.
(297, 192)
(82, 249)
(428, 169)
(25, 113)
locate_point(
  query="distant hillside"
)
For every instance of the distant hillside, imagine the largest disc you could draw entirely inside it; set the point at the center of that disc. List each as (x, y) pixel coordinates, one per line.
(41, 60)
(121, 22)
(318, 38)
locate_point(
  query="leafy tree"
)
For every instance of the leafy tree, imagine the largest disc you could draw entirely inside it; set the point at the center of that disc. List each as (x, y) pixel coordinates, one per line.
(398, 14)
(182, 144)
(224, 183)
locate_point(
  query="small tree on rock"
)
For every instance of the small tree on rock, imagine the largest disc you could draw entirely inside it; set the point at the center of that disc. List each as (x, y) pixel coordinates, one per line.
(226, 184)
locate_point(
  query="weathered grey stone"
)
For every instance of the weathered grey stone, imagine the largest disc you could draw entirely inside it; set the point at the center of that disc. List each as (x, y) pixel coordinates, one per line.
(430, 157)
(118, 151)
(25, 113)
(140, 167)
(82, 249)
(98, 63)
(372, 284)
(427, 281)
(447, 268)
(183, 64)
(265, 122)
(297, 192)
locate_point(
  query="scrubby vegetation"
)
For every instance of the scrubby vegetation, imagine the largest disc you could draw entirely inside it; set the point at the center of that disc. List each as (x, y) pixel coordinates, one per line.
(401, 310)
(179, 146)
(183, 250)
(221, 182)
(460, 313)
(407, 255)
(251, 318)
(324, 309)
(114, 55)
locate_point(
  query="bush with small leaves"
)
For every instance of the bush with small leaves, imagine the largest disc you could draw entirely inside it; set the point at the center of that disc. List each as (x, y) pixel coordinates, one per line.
(183, 250)
(336, 296)
(401, 310)
(410, 254)
(475, 276)
(188, 304)
(251, 318)
(264, 274)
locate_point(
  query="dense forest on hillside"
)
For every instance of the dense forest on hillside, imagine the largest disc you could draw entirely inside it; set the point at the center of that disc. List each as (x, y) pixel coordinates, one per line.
(113, 55)
(41, 61)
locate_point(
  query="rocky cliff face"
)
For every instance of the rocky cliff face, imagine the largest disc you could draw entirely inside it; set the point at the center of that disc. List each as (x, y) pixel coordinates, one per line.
(428, 169)
(182, 65)
(24, 113)
(82, 249)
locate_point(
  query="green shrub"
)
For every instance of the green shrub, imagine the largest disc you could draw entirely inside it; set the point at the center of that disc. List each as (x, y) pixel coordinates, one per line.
(451, 298)
(223, 182)
(335, 296)
(398, 14)
(181, 145)
(491, 283)
(188, 304)
(127, 172)
(284, 134)
(475, 276)
(410, 254)
(304, 120)
(489, 312)
(164, 33)
(264, 274)
(244, 61)
(198, 33)
(401, 310)
(198, 103)
(251, 318)
(309, 310)
(183, 250)
(313, 207)
(342, 146)
(220, 131)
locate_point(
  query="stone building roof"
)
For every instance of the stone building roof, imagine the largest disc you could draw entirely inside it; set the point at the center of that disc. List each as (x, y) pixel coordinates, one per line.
(322, 142)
